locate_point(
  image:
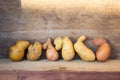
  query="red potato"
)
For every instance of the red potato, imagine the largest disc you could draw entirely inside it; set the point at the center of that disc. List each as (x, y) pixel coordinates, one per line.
(99, 41)
(51, 52)
(104, 51)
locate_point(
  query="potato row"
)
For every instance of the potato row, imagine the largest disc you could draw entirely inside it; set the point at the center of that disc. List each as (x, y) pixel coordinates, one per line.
(68, 49)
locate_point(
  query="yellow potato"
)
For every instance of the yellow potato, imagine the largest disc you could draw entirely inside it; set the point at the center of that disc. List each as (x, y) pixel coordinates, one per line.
(16, 54)
(84, 52)
(17, 51)
(22, 44)
(58, 43)
(34, 51)
(67, 49)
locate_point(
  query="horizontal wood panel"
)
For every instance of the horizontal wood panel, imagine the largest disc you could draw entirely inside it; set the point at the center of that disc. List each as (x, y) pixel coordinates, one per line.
(61, 75)
(92, 76)
(49, 18)
(45, 75)
(8, 75)
(7, 39)
(18, 15)
(61, 65)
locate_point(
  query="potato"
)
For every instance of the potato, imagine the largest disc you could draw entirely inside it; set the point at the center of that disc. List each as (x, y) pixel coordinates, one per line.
(16, 54)
(99, 41)
(51, 52)
(67, 47)
(58, 43)
(17, 51)
(34, 51)
(84, 52)
(22, 44)
(104, 51)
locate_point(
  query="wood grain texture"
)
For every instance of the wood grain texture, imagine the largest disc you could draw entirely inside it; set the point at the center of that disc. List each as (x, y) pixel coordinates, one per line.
(63, 14)
(51, 18)
(56, 75)
(61, 65)
(7, 39)
(59, 70)
(61, 75)
(36, 20)
(9, 75)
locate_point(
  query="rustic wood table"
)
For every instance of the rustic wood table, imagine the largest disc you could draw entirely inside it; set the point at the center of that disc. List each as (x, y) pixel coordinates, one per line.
(59, 70)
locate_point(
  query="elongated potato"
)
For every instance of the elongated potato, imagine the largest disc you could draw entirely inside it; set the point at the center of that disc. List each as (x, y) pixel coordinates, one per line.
(34, 51)
(67, 49)
(84, 52)
(51, 52)
(17, 51)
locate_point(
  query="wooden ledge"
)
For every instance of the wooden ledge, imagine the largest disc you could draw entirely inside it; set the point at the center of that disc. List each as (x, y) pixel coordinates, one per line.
(61, 65)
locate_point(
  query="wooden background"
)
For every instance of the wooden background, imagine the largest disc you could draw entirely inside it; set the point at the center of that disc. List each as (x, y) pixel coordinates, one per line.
(36, 20)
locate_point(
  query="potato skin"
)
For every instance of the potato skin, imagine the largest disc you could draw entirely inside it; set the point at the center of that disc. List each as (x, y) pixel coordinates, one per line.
(22, 44)
(17, 51)
(58, 43)
(67, 49)
(34, 51)
(84, 52)
(99, 41)
(103, 52)
(51, 52)
(16, 54)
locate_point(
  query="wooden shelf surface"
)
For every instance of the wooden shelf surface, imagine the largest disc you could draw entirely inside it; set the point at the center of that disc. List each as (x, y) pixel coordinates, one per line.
(61, 65)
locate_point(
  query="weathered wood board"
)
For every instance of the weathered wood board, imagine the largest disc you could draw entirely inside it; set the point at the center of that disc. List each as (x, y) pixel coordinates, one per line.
(57, 75)
(61, 65)
(59, 70)
(39, 19)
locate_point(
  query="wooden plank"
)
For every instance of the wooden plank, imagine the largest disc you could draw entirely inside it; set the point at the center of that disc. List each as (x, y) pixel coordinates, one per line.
(53, 15)
(7, 39)
(4, 53)
(57, 75)
(39, 75)
(8, 75)
(62, 75)
(92, 76)
(75, 65)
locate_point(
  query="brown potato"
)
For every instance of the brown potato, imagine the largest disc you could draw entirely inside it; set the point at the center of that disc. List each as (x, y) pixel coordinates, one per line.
(34, 51)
